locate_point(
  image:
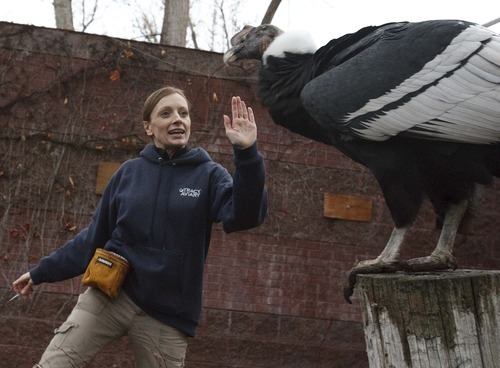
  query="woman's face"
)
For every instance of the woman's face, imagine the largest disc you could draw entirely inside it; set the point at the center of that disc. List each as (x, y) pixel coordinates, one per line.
(170, 124)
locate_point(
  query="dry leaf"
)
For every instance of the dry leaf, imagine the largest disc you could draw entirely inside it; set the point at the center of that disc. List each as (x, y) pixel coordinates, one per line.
(114, 75)
(71, 228)
(68, 226)
(14, 233)
(128, 53)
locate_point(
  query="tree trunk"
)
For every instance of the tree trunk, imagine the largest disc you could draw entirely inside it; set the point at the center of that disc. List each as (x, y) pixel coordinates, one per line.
(64, 14)
(434, 320)
(175, 23)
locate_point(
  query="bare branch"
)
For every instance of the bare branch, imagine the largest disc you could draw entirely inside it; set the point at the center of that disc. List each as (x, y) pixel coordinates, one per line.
(224, 24)
(148, 28)
(193, 34)
(86, 23)
(271, 10)
(491, 22)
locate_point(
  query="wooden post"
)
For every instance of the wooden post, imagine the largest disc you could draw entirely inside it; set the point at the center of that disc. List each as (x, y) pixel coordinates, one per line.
(432, 320)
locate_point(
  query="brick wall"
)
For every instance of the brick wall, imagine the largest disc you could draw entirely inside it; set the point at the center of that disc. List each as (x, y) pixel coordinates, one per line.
(273, 295)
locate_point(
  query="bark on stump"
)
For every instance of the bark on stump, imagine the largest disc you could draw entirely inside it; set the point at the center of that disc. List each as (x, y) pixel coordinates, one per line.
(434, 320)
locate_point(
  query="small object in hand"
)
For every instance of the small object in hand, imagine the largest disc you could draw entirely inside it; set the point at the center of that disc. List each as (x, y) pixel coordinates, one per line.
(14, 297)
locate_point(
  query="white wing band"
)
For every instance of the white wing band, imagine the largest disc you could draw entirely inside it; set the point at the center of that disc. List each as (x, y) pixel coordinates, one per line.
(459, 98)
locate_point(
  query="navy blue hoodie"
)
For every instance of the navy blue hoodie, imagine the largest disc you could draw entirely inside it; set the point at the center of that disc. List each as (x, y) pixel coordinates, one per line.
(158, 213)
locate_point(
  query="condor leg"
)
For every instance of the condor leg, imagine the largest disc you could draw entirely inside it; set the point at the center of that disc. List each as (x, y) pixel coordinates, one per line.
(387, 261)
(442, 257)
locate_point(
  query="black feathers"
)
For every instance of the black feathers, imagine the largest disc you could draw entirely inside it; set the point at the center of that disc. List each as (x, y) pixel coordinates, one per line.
(416, 103)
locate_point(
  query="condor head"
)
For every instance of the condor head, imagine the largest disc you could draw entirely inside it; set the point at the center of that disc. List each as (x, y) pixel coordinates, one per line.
(251, 42)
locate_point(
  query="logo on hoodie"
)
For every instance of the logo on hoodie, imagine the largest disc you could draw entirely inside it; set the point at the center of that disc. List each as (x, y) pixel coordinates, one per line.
(188, 192)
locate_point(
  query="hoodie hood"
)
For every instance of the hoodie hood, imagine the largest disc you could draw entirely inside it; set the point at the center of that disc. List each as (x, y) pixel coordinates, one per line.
(194, 156)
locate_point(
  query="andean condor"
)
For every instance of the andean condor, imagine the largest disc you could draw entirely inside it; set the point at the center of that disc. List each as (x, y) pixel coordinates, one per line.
(418, 104)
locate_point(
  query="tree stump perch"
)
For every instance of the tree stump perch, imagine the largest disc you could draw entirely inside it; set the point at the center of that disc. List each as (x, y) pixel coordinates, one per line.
(432, 320)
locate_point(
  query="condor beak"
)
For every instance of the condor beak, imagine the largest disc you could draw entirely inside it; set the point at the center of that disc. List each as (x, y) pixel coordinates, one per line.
(231, 55)
(238, 44)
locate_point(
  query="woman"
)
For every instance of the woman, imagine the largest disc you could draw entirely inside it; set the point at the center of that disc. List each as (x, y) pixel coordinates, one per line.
(157, 211)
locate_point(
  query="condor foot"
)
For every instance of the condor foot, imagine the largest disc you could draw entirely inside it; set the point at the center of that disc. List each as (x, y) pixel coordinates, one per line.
(369, 267)
(434, 262)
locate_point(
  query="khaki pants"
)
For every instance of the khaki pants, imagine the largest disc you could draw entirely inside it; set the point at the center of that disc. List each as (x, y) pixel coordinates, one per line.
(97, 320)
